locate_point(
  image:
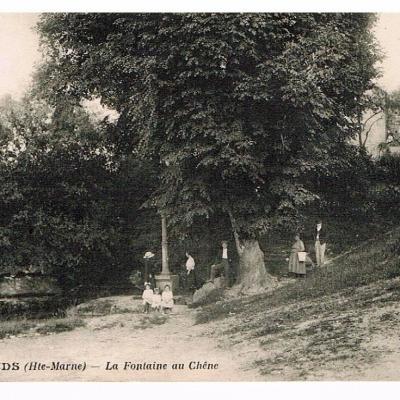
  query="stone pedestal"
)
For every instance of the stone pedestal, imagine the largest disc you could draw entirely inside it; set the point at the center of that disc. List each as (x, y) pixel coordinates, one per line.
(167, 279)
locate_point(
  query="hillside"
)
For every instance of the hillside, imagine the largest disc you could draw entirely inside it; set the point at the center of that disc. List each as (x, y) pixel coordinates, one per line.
(335, 324)
(340, 323)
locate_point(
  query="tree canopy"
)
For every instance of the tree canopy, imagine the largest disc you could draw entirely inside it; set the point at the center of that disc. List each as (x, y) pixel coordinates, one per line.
(244, 112)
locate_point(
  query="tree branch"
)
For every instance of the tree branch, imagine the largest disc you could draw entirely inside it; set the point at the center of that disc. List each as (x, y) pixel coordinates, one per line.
(369, 130)
(369, 118)
(239, 246)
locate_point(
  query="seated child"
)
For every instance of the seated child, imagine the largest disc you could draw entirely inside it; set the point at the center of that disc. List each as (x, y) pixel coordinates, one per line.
(167, 299)
(156, 304)
(147, 298)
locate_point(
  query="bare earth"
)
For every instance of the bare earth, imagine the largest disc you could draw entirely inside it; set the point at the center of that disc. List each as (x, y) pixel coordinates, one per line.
(120, 338)
(351, 336)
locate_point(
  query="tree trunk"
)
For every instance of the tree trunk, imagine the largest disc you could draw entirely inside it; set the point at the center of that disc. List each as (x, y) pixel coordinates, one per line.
(252, 273)
(360, 129)
(253, 276)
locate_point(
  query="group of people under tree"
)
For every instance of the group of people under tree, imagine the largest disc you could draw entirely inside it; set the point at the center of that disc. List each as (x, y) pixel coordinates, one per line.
(154, 301)
(221, 268)
(298, 256)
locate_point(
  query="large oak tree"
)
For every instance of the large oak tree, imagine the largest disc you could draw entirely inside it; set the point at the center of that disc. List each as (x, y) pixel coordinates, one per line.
(244, 112)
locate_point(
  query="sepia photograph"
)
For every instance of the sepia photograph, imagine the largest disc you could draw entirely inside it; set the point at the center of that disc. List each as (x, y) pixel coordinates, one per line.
(199, 196)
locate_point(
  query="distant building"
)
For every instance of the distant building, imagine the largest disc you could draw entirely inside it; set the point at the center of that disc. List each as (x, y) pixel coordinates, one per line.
(381, 133)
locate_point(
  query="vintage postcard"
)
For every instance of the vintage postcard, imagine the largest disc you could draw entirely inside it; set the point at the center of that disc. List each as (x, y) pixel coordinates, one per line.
(199, 197)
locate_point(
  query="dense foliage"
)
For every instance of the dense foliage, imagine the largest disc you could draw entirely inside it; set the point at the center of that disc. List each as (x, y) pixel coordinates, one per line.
(246, 116)
(241, 109)
(66, 207)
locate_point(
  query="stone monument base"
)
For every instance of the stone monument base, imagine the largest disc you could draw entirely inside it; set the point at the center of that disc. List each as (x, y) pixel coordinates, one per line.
(167, 279)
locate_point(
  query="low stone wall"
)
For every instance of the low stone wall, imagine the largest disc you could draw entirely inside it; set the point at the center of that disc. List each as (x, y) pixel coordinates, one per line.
(30, 295)
(26, 285)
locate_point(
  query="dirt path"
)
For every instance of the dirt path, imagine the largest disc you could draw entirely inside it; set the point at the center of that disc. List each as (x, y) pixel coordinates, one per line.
(351, 337)
(120, 338)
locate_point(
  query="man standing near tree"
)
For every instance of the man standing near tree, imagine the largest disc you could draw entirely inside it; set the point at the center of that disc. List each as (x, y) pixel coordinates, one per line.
(320, 244)
(222, 265)
(191, 280)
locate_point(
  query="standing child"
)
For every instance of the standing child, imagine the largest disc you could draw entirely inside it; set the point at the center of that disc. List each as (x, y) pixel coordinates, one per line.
(167, 299)
(156, 304)
(147, 297)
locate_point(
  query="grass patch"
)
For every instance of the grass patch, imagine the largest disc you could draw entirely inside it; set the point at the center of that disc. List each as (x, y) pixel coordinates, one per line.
(149, 320)
(109, 325)
(60, 325)
(102, 307)
(219, 310)
(14, 328)
(95, 307)
(11, 328)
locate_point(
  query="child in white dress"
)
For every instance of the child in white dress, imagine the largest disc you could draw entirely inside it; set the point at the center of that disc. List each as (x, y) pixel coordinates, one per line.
(156, 304)
(167, 299)
(147, 297)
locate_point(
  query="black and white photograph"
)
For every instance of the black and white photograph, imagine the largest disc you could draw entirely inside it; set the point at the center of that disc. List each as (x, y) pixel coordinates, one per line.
(199, 196)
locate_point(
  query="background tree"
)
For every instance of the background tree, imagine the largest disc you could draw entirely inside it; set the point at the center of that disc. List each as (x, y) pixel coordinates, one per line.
(373, 106)
(244, 112)
(67, 207)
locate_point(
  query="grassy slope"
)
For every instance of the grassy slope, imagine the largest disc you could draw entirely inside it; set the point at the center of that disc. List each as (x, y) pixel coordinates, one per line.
(323, 322)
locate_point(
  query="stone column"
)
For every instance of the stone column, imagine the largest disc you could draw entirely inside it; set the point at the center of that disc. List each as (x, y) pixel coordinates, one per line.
(164, 246)
(165, 278)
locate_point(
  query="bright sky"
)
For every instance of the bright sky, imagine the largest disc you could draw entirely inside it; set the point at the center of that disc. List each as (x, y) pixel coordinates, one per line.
(387, 32)
(19, 51)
